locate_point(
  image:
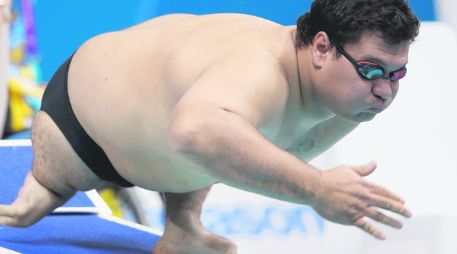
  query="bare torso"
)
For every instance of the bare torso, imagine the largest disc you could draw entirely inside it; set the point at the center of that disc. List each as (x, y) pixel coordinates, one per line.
(124, 86)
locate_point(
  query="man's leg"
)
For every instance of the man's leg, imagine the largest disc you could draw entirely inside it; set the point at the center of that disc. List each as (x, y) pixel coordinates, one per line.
(184, 232)
(47, 186)
(39, 194)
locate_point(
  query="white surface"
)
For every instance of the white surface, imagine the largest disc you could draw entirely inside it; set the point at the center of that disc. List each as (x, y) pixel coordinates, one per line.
(100, 208)
(7, 251)
(130, 224)
(17, 142)
(101, 205)
(427, 234)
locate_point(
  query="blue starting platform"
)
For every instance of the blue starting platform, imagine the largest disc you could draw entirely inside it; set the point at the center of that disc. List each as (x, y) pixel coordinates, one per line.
(82, 225)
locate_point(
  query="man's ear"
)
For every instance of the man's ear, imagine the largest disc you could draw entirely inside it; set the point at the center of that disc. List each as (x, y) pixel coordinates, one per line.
(320, 48)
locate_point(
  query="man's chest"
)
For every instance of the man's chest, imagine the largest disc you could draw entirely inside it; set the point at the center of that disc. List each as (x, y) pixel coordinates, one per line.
(307, 143)
(304, 146)
(303, 143)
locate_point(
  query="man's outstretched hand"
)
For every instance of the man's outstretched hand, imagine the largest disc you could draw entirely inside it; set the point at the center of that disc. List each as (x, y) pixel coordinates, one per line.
(344, 196)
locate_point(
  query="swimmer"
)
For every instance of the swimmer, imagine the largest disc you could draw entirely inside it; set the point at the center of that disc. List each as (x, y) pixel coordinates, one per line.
(181, 102)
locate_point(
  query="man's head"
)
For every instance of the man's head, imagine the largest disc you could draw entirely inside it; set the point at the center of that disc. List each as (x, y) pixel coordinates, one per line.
(346, 21)
(358, 51)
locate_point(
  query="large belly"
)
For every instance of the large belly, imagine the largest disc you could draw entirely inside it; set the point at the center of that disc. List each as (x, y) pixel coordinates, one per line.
(154, 167)
(133, 131)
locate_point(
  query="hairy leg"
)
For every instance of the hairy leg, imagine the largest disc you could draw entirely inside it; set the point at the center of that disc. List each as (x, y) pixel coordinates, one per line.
(57, 173)
(184, 232)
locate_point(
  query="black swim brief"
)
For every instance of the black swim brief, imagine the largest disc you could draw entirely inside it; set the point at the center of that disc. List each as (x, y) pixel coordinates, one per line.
(56, 104)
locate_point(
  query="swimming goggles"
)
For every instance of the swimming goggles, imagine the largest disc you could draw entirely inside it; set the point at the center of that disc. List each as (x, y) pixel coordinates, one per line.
(370, 70)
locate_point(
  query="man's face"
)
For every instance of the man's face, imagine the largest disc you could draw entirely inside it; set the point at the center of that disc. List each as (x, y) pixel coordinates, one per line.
(350, 95)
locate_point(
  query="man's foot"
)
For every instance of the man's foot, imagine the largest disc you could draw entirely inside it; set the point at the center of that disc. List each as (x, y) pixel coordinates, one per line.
(178, 241)
(184, 233)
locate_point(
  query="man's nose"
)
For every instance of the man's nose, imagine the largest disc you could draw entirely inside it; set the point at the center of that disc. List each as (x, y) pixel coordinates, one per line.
(382, 88)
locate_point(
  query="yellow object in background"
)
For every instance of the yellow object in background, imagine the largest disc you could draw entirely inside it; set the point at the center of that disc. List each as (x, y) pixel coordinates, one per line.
(109, 195)
(20, 111)
(25, 99)
(17, 55)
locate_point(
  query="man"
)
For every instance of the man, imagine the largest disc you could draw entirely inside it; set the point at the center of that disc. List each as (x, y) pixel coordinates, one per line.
(181, 102)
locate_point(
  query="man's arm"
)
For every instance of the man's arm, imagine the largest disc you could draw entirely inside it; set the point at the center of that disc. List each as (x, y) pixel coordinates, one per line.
(216, 121)
(234, 152)
(215, 125)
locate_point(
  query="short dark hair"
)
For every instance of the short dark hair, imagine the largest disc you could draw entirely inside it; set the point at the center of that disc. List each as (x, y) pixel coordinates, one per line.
(346, 21)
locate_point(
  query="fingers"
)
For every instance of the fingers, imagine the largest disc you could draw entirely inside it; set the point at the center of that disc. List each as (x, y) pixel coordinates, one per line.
(394, 206)
(385, 199)
(9, 216)
(370, 229)
(382, 218)
(379, 217)
(385, 193)
(365, 170)
(8, 221)
(6, 210)
(388, 202)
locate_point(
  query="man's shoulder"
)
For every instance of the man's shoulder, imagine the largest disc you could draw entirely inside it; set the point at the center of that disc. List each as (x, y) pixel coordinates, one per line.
(253, 70)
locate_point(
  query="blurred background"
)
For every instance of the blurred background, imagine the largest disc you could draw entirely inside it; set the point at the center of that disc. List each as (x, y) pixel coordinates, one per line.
(414, 141)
